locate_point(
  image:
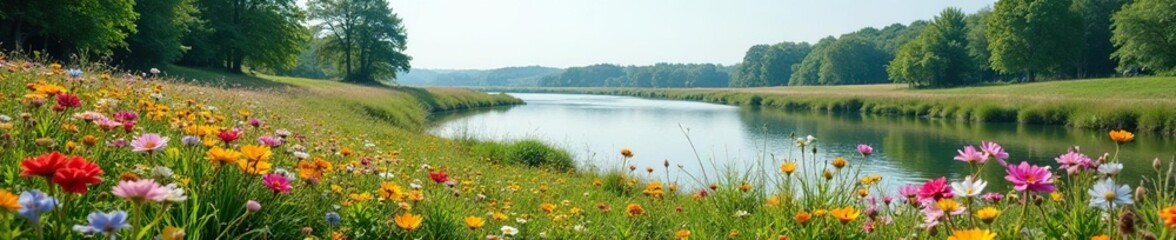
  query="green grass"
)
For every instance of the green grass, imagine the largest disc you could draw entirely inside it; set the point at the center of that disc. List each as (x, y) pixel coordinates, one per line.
(1144, 104)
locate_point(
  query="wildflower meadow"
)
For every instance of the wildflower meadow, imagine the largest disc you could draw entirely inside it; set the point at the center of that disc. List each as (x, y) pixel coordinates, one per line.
(90, 152)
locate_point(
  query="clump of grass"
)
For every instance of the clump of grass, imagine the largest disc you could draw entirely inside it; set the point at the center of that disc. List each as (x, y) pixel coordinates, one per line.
(537, 154)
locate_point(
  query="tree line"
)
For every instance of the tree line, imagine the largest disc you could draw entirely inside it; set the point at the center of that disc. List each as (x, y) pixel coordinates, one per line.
(1016, 40)
(660, 75)
(355, 40)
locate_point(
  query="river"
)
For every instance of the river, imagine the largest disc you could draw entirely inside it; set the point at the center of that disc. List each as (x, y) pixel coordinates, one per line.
(595, 128)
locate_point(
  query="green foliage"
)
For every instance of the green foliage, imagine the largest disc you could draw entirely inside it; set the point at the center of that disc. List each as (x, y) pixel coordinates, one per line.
(659, 76)
(938, 57)
(537, 154)
(775, 64)
(161, 26)
(808, 71)
(853, 60)
(363, 38)
(1096, 60)
(67, 26)
(1033, 36)
(264, 34)
(1143, 33)
(508, 76)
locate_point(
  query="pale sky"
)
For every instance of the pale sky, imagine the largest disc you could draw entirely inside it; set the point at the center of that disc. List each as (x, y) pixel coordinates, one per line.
(484, 34)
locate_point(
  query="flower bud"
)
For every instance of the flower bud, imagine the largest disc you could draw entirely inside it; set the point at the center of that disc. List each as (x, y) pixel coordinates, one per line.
(1147, 235)
(1156, 164)
(1140, 192)
(1037, 200)
(252, 206)
(1127, 223)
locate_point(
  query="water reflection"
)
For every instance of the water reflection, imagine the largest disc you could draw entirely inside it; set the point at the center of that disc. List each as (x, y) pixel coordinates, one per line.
(907, 149)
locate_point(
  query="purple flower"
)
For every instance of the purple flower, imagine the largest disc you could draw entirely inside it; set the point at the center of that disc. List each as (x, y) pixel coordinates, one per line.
(108, 223)
(992, 197)
(865, 150)
(908, 191)
(126, 116)
(34, 203)
(255, 122)
(1033, 178)
(995, 151)
(190, 140)
(970, 155)
(148, 143)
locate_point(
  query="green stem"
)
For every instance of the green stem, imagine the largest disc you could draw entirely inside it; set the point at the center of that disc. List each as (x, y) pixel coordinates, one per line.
(1021, 219)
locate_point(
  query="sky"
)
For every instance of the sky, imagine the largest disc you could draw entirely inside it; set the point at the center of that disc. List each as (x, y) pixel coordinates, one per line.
(485, 34)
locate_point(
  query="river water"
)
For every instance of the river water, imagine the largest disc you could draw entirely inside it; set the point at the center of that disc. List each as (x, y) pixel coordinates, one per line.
(700, 139)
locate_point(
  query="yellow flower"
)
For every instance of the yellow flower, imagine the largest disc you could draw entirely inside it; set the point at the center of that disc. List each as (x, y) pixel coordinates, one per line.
(1121, 136)
(498, 216)
(773, 201)
(9, 201)
(682, 234)
(839, 162)
(49, 89)
(1056, 197)
(863, 192)
(634, 210)
(416, 195)
(408, 221)
(626, 153)
(313, 169)
(973, 234)
(948, 205)
(654, 189)
(846, 214)
(220, 156)
(1101, 237)
(744, 187)
(827, 174)
(473, 222)
(363, 197)
(871, 179)
(171, 233)
(391, 191)
(254, 167)
(987, 214)
(256, 153)
(820, 212)
(547, 207)
(788, 167)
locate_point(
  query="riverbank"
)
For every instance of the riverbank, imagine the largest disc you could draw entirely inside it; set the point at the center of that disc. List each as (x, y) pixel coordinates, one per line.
(1145, 104)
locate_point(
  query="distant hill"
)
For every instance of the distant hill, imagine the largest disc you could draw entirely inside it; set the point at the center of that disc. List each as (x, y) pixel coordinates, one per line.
(506, 77)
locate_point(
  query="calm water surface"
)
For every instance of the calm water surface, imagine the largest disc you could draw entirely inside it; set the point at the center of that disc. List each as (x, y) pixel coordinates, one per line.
(733, 139)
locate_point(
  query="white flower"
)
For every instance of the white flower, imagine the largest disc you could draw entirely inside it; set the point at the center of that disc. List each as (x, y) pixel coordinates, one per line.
(5, 118)
(415, 184)
(579, 228)
(969, 187)
(154, 71)
(387, 175)
(805, 141)
(369, 145)
(741, 213)
(521, 220)
(1110, 169)
(175, 193)
(542, 234)
(426, 166)
(301, 155)
(510, 231)
(161, 172)
(1106, 195)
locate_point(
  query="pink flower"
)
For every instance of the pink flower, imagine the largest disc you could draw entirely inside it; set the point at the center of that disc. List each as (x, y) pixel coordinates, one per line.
(252, 206)
(909, 191)
(1074, 162)
(1027, 177)
(148, 143)
(269, 141)
(126, 116)
(935, 189)
(255, 122)
(970, 155)
(141, 190)
(106, 124)
(865, 150)
(992, 197)
(278, 182)
(995, 151)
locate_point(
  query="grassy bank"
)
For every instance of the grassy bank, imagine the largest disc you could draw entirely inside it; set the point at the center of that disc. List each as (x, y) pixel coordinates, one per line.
(263, 157)
(1143, 104)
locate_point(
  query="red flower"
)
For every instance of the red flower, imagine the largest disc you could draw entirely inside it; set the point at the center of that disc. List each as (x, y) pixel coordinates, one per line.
(68, 101)
(77, 175)
(230, 135)
(45, 165)
(439, 177)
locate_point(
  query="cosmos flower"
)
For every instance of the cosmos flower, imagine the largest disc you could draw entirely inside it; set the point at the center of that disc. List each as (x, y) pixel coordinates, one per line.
(149, 143)
(1110, 169)
(1074, 162)
(865, 150)
(1032, 178)
(994, 151)
(141, 190)
(971, 156)
(277, 182)
(252, 206)
(1106, 195)
(935, 189)
(969, 187)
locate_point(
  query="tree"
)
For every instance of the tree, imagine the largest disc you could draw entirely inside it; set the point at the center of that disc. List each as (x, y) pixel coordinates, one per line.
(1033, 36)
(66, 26)
(1143, 32)
(751, 69)
(364, 35)
(263, 33)
(161, 26)
(938, 57)
(1096, 22)
(776, 66)
(808, 72)
(853, 60)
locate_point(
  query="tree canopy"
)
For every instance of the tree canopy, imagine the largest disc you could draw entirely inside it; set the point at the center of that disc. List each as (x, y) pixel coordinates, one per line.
(1033, 36)
(1144, 34)
(938, 57)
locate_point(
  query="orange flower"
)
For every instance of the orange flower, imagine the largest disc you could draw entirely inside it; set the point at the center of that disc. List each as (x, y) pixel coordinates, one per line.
(391, 191)
(1101, 237)
(972, 234)
(839, 162)
(1169, 216)
(547, 207)
(408, 221)
(473, 222)
(220, 156)
(682, 234)
(846, 214)
(803, 217)
(626, 152)
(788, 167)
(316, 169)
(9, 201)
(634, 210)
(1122, 136)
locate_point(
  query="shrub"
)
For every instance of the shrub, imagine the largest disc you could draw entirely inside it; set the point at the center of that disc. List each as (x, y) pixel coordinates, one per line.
(537, 154)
